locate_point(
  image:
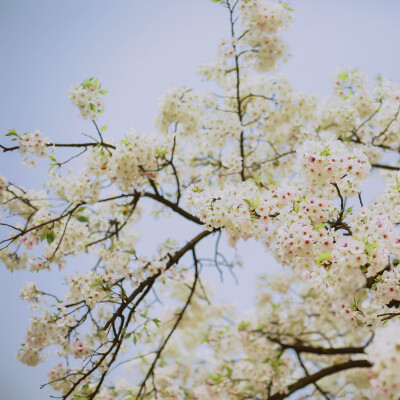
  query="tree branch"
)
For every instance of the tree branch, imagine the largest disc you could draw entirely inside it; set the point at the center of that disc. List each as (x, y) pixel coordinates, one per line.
(311, 379)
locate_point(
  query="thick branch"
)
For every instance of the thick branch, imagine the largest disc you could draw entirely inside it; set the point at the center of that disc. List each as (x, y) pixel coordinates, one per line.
(173, 207)
(311, 379)
(300, 348)
(389, 167)
(178, 320)
(149, 282)
(90, 144)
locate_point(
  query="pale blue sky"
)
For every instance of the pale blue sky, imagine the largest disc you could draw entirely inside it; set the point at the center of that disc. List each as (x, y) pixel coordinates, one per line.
(137, 49)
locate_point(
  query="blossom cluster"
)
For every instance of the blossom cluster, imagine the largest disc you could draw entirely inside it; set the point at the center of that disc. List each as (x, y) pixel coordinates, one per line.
(362, 111)
(80, 349)
(87, 287)
(14, 261)
(3, 187)
(136, 158)
(179, 107)
(303, 235)
(238, 210)
(43, 331)
(29, 292)
(263, 19)
(384, 354)
(387, 287)
(32, 144)
(325, 163)
(56, 378)
(82, 188)
(380, 236)
(86, 96)
(257, 160)
(388, 202)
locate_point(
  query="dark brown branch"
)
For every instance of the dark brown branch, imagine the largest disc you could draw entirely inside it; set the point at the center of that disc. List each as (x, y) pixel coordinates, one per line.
(311, 379)
(389, 167)
(173, 207)
(387, 126)
(149, 282)
(61, 238)
(355, 130)
(238, 101)
(178, 320)
(272, 159)
(255, 95)
(11, 239)
(387, 316)
(119, 228)
(317, 387)
(91, 144)
(300, 348)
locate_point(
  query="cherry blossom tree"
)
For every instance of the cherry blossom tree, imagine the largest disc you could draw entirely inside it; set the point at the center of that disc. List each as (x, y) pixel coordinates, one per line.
(255, 160)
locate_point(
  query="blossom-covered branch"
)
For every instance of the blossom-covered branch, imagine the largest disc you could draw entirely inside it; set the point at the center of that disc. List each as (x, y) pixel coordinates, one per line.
(256, 160)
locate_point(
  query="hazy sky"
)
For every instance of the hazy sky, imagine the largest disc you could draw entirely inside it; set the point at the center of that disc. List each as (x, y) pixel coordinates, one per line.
(137, 49)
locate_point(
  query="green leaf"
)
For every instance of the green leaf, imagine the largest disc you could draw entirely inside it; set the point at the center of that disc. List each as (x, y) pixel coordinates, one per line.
(157, 322)
(99, 282)
(256, 179)
(135, 339)
(144, 315)
(12, 132)
(343, 76)
(43, 236)
(198, 189)
(50, 237)
(370, 246)
(243, 325)
(272, 181)
(160, 152)
(82, 218)
(323, 258)
(349, 210)
(397, 187)
(325, 152)
(104, 127)
(132, 251)
(260, 328)
(248, 202)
